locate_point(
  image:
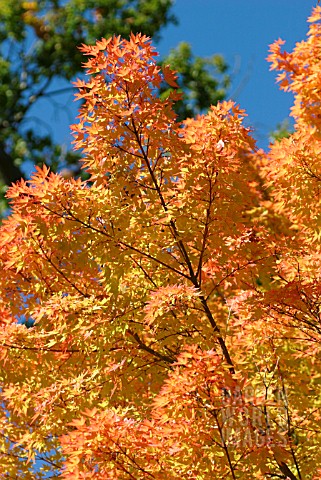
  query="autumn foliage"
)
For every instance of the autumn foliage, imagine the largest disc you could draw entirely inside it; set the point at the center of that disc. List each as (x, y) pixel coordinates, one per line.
(174, 297)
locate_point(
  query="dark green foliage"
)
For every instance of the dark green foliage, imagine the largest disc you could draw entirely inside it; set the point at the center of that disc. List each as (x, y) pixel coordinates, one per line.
(204, 81)
(283, 130)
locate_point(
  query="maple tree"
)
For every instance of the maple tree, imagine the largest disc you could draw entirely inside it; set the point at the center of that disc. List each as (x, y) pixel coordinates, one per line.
(174, 298)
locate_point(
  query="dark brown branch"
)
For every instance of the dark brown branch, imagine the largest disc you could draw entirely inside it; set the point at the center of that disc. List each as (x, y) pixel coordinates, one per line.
(285, 470)
(60, 272)
(206, 231)
(164, 358)
(41, 349)
(225, 447)
(192, 277)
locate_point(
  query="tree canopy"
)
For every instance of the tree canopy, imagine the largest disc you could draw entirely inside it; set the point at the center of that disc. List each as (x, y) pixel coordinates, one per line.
(39, 57)
(173, 299)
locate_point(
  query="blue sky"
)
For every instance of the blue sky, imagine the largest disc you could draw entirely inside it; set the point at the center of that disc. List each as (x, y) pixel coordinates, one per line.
(241, 31)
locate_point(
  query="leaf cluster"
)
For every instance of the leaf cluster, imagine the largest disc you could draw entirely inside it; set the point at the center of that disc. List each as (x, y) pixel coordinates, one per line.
(174, 297)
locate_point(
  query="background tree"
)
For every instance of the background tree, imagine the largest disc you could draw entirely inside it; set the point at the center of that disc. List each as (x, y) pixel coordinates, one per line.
(204, 81)
(39, 57)
(176, 295)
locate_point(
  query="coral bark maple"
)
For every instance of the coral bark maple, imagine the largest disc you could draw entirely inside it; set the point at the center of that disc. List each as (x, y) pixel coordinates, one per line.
(174, 297)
